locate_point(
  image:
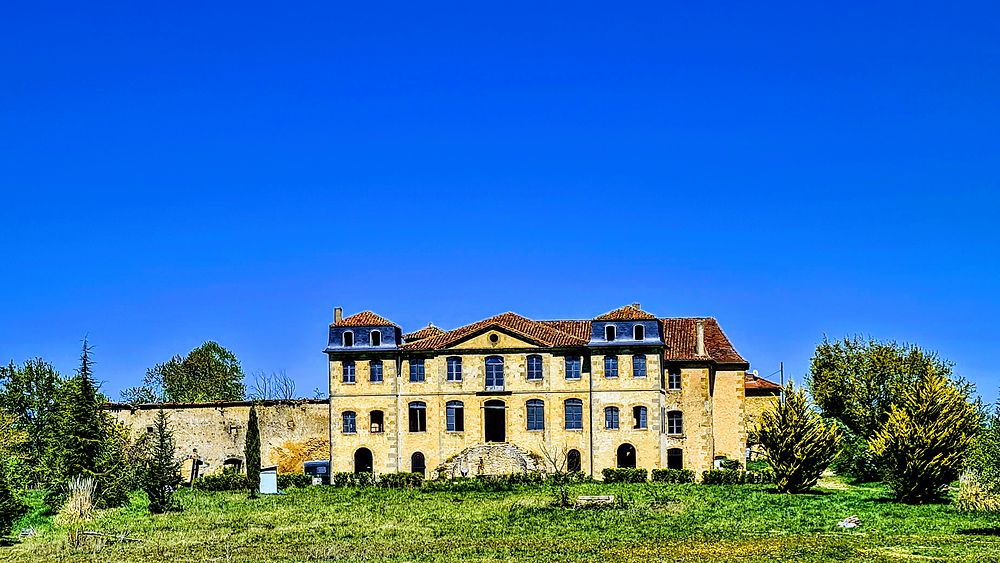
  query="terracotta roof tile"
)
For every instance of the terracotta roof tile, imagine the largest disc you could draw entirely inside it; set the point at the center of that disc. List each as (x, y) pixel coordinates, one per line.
(533, 331)
(627, 313)
(426, 332)
(579, 329)
(364, 318)
(679, 335)
(755, 382)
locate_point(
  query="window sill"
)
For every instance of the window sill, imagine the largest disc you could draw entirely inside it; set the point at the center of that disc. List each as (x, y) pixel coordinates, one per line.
(454, 431)
(536, 430)
(348, 382)
(573, 429)
(668, 435)
(379, 382)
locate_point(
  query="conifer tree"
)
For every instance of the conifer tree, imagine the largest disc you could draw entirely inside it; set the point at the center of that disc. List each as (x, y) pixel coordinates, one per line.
(11, 507)
(81, 428)
(162, 472)
(252, 453)
(797, 443)
(921, 446)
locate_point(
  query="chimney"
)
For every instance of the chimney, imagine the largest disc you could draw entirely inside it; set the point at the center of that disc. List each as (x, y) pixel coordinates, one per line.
(338, 314)
(699, 346)
(636, 305)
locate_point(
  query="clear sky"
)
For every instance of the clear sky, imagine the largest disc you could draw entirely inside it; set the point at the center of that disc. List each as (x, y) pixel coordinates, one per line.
(178, 172)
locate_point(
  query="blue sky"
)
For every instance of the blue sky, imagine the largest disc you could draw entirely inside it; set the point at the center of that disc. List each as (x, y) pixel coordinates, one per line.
(177, 173)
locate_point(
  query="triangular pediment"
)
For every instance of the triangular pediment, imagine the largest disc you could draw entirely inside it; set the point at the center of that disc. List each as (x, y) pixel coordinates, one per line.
(494, 337)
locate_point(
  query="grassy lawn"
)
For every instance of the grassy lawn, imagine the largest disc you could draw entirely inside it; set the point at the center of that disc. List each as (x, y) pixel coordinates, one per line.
(655, 523)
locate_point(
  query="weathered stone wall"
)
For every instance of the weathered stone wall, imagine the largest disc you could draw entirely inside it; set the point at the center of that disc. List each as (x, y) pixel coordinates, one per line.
(291, 432)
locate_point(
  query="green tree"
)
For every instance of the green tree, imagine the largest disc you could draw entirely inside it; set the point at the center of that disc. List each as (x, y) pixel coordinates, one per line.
(920, 447)
(252, 452)
(11, 507)
(208, 373)
(797, 443)
(29, 394)
(161, 473)
(857, 381)
(81, 422)
(980, 481)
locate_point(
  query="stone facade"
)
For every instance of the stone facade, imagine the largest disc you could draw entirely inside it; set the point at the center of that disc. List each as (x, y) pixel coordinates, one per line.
(650, 392)
(210, 435)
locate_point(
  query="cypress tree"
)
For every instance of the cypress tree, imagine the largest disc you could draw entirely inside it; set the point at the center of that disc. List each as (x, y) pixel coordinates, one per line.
(797, 443)
(162, 472)
(252, 453)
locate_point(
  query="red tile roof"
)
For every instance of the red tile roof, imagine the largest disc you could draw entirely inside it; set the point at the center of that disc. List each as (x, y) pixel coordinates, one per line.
(579, 329)
(364, 318)
(627, 313)
(532, 331)
(426, 332)
(755, 382)
(680, 337)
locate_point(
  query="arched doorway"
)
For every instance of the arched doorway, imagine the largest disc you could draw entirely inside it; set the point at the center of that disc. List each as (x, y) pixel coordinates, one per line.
(363, 461)
(573, 461)
(495, 421)
(626, 456)
(417, 463)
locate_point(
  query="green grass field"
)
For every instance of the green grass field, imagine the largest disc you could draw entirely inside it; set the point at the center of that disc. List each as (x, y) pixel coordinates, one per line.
(654, 523)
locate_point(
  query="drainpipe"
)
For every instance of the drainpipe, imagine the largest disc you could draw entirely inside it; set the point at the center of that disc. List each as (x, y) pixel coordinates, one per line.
(590, 405)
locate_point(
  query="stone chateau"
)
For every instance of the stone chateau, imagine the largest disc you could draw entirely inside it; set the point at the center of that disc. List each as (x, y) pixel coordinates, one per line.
(625, 389)
(508, 393)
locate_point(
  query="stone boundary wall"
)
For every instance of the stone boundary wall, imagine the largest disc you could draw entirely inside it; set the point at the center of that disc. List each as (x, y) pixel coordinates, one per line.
(208, 435)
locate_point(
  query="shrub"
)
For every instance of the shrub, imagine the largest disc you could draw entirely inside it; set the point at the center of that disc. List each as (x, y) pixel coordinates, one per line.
(797, 443)
(974, 495)
(855, 459)
(979, 485)
(672, 476)
(348, 479)
(161, 473)
(80, 501)
(400, 480)
(624, 475)
(765, 477)
(722, 477)
(11, 508)
(731, 464)
(469, 485)
(294, 480)
(920, 447)
(225, 481)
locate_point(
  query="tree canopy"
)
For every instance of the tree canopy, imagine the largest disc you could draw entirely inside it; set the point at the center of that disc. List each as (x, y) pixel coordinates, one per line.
(208, 373)
(857, 381)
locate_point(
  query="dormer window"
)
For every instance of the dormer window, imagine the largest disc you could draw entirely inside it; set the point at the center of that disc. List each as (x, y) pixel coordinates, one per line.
(376, 338)
(609, 333)
(348, 339)
(638, 332)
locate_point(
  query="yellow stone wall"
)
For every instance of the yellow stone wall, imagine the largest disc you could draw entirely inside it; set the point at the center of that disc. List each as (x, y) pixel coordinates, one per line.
(713, 424)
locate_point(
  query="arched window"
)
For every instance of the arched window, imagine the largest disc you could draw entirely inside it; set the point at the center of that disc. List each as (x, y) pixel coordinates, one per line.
(610, 366)
(639, 418)
(573, 461)
(639, 366)
(536, 414)
(611, 418)
(417, 416)
(350, 422)
(494, 372)
(638, 332)
(626, 456)
(417, 463)
(454, 368)
(376, 338)
(609, 332)
(675, 422)
(534, 367)
(348, 339)
(375, 371)
(377, 422)
(675, 458)
(455, 416)
(349, 371)
(574, 414)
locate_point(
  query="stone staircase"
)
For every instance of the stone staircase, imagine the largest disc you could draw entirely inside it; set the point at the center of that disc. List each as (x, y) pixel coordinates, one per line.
(490, 459)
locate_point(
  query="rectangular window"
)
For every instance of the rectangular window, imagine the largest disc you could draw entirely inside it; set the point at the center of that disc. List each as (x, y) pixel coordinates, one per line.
(534, 368)
(349, 371)
(674, 379)
(572, 367)
(639, 418)
(574, 414)
(455, 414)
(375, 367)
(536, 415)
(454, 369)
(610, 366)
(663, 420)
(638, 366)
(350, 423)
(417, 370)
(418, 417)
(611, 418)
